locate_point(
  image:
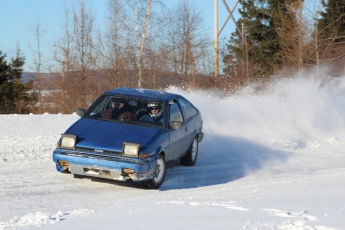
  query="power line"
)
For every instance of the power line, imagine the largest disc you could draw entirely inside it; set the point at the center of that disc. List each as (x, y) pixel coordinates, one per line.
(23, 7)
(5, 4)
(35, 16)
(14, 28)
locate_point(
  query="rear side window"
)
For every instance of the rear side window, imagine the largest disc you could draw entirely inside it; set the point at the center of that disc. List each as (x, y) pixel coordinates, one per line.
(188, 109)
(175, 112)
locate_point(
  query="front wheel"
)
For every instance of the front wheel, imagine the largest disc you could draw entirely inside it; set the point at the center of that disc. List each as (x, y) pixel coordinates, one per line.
(159, 174)
(190, 158)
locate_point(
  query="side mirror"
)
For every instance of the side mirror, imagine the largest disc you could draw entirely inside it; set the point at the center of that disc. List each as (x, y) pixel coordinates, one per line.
(80, 112)
(175, 125)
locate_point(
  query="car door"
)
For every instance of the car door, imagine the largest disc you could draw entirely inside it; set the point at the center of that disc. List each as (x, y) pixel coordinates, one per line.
(189, 112)
(177, 137)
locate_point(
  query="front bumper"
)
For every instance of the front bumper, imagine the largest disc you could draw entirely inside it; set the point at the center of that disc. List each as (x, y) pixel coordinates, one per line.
(108, 167)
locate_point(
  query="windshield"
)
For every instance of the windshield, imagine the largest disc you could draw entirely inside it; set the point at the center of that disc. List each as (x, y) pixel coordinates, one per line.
(126, 109)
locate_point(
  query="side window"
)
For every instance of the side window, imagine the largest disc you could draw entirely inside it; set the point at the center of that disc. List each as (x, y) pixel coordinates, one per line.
(175, 112)
(188, 109)
(103, 104)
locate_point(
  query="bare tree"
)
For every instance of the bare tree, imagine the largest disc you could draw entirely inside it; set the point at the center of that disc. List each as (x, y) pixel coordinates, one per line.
(115, 60)
(292, 33)
(323, 44)
(75, 53)
(187, 40)
(136, 28)
(39, 61)
(141, 44)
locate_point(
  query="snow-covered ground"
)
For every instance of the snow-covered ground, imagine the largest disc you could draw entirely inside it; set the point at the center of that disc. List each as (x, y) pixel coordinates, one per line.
(274, 160)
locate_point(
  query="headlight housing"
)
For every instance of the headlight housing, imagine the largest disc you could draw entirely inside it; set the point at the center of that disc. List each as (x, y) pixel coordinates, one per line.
(130, 149)
(68, 141)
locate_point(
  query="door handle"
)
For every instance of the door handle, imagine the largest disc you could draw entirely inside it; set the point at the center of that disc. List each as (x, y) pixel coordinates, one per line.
(186, 128)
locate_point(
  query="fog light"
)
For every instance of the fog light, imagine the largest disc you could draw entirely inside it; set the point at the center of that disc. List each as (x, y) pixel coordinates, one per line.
(129, 171)
(63, 163)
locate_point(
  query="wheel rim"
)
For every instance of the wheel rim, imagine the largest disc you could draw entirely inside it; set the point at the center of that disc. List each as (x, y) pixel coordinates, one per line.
(194, 149)
(160, 169)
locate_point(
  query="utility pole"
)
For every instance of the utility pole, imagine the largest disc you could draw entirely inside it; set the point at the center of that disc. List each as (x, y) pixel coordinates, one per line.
(217, 33)
(300, 38)
(215, 44)
(316, 43)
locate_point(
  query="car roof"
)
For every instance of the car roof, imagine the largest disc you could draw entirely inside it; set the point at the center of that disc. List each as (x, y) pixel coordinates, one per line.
(142, 93)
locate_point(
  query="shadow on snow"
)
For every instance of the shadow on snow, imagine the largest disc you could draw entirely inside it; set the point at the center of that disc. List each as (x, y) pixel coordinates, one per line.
(223, 159)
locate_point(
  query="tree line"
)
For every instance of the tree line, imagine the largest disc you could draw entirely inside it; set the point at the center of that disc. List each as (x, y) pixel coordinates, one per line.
(281, 37)
(152, 44)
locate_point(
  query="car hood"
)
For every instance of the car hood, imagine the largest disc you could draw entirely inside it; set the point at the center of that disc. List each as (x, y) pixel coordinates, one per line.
(109, 135)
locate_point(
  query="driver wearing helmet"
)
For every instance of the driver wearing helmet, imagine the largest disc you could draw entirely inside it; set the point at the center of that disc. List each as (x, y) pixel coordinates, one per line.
(156, 112)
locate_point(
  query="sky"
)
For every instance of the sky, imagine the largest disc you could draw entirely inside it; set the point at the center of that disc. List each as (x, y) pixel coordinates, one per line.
(19, 18)
(270, 160)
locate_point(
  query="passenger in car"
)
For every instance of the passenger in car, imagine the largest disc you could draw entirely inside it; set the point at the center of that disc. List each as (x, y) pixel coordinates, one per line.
(116, 103)
(124, 113)
(115, 109)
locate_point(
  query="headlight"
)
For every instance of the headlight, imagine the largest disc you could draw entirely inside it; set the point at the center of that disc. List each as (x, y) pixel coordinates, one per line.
(130, 149)
(68, 141)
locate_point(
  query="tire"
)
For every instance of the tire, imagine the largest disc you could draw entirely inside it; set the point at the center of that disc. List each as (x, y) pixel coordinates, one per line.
(157, 181)
(190, 158)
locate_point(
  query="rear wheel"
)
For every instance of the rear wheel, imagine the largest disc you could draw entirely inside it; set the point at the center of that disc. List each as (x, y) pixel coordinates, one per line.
(190, 158)
(159, 174)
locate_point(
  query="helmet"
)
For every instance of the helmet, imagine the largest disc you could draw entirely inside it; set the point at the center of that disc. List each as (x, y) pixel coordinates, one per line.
(152, 104)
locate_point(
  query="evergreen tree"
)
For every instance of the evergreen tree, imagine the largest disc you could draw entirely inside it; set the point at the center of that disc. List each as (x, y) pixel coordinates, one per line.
(261, 53)
(331, 35)
(332, 21)
(17, 66)
(4, 68)
(14, 97)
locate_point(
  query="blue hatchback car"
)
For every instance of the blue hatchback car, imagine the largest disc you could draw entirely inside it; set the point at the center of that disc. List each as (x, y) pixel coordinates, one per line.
(131, 134)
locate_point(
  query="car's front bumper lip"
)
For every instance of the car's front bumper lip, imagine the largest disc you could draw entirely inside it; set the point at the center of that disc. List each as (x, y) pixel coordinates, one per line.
(109, 169)
(103, 172)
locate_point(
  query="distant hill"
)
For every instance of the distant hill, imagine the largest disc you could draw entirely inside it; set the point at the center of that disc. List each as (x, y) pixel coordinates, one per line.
(29, 76)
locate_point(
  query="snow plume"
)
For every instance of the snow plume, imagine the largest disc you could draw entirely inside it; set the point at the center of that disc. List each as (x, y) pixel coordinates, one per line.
(259, 127)
(290, 111)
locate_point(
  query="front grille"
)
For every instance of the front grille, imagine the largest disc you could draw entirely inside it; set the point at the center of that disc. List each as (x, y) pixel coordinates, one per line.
(89, 153)
(84, 149)
(92, 151)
